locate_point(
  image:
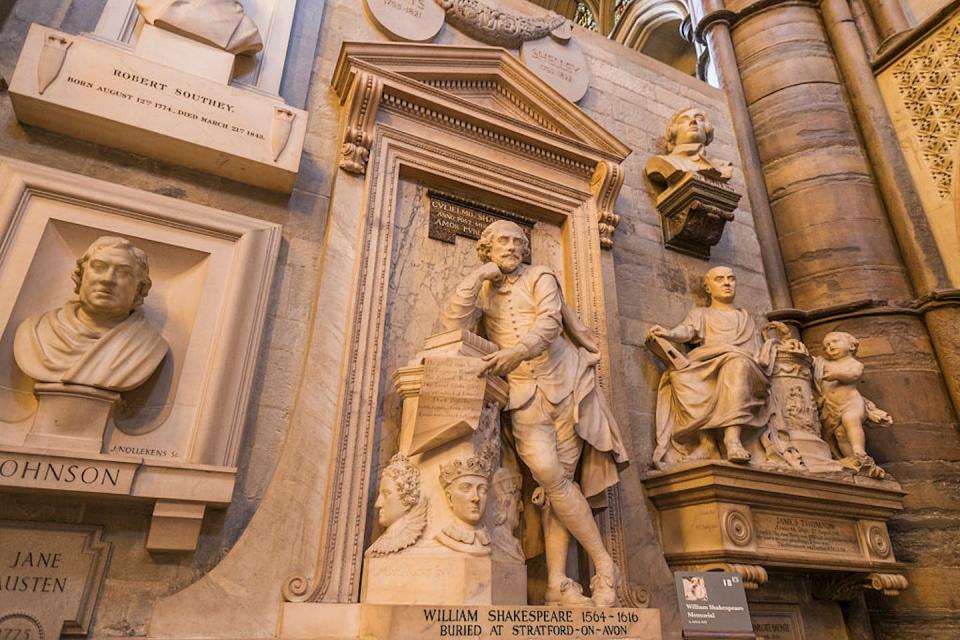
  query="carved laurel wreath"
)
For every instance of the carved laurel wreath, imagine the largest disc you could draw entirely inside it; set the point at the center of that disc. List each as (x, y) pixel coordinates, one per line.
(496, 27)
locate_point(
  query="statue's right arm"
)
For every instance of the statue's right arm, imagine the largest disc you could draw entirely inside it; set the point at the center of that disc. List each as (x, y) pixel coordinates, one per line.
(460, 311)
(679, 334)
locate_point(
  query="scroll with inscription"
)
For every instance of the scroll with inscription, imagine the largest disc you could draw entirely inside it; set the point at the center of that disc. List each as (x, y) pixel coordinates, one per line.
(451, 400)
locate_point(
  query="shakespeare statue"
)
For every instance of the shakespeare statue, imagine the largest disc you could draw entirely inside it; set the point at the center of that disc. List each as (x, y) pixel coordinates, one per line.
(560, 419)
(101, 339)
(400, 507)
(842, 409)
(689, 132)
(710, 396)
(218, 23)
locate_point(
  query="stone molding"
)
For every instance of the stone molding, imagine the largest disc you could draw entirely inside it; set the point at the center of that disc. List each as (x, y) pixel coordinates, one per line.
(371, 76)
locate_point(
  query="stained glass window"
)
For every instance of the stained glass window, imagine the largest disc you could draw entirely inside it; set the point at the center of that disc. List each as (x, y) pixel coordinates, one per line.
(584, 17)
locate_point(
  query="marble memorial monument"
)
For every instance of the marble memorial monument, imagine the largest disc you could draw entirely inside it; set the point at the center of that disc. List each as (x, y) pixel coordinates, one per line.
(85, 353)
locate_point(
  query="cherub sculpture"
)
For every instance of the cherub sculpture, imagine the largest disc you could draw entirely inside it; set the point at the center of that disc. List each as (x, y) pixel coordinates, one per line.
(842, 409)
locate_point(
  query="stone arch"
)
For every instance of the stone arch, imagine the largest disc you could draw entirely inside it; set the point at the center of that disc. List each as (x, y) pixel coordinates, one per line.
(655, 28)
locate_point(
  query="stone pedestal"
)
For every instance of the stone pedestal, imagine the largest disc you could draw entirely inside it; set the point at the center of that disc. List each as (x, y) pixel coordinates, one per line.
(168, 48)
(716, 515)
(70, 417)
(443, 580)
(451, 416)
(695, 211)
(796, 415)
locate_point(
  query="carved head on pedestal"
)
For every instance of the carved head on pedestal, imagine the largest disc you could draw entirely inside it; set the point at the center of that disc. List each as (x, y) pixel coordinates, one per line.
(505, 244)
(399, 490)
(465, 484)
(506, 491)
(111, 279)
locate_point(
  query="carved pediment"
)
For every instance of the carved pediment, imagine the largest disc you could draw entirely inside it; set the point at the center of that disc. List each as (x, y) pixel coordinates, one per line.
(484, 91)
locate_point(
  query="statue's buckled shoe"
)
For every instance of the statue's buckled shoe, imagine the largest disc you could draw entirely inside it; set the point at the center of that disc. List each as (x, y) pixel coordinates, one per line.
(569, 594)
(603, 588)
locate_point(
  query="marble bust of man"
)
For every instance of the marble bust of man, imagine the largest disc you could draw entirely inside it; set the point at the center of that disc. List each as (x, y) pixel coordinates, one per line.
(721, 391)
(465, 485)
(689, 132)
(219, 23)
(102, 338)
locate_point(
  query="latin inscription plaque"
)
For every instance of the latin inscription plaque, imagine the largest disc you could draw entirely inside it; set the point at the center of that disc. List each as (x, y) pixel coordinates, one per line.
(806, 533)
(50, 576)
(451, 217)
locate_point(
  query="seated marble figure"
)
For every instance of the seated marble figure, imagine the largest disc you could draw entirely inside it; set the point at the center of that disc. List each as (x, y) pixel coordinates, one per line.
(101, 339)
(721, 389)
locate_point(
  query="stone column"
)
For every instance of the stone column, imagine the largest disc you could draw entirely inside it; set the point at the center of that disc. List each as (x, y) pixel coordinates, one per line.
(717, 36)
(848, 262)
(889, 18)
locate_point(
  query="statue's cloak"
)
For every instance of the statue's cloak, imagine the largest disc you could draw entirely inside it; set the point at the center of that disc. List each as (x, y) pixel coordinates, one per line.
(57, 346)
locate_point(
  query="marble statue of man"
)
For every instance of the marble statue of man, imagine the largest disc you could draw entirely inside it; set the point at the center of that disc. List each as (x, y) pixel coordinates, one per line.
(724, 387)
(219, 23)
(688, 134)
(559, 417)
(101, 339)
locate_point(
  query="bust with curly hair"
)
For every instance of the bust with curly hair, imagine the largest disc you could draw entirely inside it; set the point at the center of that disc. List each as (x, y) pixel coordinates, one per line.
(101, 339)
(688, 134)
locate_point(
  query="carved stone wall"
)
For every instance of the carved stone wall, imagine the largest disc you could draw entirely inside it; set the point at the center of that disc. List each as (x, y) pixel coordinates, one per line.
(921, 88)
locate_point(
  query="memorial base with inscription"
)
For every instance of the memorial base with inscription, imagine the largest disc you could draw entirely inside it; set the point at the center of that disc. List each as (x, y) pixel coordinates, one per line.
(443, 580)
(418, 622)
(717, 515)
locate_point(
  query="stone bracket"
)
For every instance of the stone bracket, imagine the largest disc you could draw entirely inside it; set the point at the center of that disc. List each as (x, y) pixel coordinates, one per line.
(175, 525)
(361, 104)
(847, 586)
(605, 184)
(695, 211)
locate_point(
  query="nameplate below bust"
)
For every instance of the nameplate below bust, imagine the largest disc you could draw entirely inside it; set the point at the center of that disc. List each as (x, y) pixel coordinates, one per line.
(435, 623)
(33, 471)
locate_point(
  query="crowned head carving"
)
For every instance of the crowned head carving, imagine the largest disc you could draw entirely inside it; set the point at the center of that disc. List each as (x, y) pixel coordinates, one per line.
(465, 484)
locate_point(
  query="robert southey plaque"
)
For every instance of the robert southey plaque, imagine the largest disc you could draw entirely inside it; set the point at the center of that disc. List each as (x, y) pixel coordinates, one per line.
(50, 576)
